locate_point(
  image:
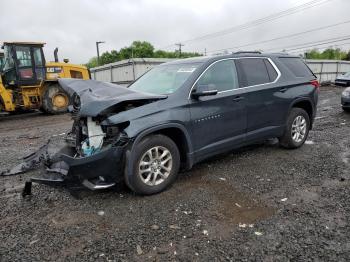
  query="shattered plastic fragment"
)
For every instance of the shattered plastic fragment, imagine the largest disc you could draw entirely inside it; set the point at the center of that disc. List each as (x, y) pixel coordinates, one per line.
(33, 242)
(258, 233)
(309, 142)
(43, 157)
(139, 250)
(284, 199)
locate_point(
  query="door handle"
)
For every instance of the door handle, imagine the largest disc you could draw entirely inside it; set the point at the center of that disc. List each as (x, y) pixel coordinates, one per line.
(238, 98)
(283, 90)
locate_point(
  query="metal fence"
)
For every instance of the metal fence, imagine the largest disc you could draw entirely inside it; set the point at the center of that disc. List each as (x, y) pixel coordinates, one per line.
(328, 70)
(126, 71)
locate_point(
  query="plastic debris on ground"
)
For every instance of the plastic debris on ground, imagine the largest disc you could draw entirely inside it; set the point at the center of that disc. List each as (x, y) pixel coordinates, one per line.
(309, 142)
(139, 250)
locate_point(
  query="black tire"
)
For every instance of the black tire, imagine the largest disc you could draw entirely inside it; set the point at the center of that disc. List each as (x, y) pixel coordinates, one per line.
(287, 140)
(346, 109)
(48, 105)
(42, 110)
(133, 178)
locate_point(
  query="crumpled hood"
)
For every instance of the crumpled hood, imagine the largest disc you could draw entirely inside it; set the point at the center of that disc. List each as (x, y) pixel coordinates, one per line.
(96, 97)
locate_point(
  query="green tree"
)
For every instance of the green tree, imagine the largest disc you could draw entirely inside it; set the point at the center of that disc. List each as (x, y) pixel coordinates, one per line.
(347, 57)
(329, 53)
(138, 49)
(109, 57)
(92, 62)
(142, 49)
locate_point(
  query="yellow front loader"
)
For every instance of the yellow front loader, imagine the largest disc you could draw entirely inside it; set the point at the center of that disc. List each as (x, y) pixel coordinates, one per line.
(28, 82)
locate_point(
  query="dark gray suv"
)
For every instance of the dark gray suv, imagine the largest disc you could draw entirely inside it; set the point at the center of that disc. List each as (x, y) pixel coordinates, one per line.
(180, 113)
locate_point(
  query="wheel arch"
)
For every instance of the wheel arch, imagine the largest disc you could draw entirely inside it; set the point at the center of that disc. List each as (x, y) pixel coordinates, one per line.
(307, 105)
(175, 131)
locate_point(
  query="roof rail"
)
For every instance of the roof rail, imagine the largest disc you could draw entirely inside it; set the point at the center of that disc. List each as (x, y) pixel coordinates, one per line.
(280, 53)
(247, 52)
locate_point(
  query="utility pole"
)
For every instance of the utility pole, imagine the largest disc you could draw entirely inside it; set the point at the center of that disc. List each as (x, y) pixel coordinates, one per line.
(98, 51)
(179, 45)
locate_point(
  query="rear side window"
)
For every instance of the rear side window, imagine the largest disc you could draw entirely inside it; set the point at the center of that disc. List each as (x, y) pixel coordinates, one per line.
(255, 71)
(271, 70)
(296, 66)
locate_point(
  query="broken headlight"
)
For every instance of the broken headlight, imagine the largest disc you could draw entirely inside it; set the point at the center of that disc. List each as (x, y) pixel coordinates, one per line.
(76, 102)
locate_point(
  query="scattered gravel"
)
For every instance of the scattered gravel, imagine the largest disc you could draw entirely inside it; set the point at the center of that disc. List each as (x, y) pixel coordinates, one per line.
(258, 203)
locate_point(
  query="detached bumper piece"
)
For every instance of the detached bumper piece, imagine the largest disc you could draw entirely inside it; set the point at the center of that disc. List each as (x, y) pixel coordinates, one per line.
(98, 171)
(59, 165)
(53, 180)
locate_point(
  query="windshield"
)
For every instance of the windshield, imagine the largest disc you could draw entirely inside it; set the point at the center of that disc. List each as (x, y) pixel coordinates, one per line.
(347, 74)
(8, 60)
(164, 79)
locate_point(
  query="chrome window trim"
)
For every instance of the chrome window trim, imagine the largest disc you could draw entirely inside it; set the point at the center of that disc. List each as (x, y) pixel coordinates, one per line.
(236, 58)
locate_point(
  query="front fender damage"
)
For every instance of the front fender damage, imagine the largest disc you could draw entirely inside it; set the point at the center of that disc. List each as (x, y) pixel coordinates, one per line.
(93, 152)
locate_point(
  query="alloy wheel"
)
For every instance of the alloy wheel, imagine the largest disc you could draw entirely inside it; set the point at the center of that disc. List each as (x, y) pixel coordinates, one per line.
(155, 165)
(299, 129)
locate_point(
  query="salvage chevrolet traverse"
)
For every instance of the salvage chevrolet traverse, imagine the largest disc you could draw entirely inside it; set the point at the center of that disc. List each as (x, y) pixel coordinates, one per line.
(180, 113)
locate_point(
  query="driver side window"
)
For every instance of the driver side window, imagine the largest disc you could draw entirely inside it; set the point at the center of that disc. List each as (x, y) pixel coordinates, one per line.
(221, 76)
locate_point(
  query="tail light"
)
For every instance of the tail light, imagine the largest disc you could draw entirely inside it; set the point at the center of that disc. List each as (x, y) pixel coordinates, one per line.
(315, 83)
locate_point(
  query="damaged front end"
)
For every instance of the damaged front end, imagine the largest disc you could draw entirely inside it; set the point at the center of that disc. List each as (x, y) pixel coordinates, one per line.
(88, 156)
(91, 154)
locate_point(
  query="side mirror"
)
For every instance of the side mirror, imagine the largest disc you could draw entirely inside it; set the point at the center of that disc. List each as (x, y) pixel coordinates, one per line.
(204, 90)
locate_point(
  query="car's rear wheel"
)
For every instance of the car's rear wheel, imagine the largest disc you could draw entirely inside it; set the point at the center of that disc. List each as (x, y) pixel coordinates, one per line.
(297, 129)
(156, 165)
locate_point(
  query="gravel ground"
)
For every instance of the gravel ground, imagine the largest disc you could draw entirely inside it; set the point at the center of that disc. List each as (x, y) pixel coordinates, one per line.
(261, 203)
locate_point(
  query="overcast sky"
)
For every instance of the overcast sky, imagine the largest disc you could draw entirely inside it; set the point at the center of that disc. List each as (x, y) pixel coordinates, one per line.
(75, 25)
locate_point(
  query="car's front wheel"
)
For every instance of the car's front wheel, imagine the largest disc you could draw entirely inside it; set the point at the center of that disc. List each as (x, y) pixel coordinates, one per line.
(297, 129)
(155, 167)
